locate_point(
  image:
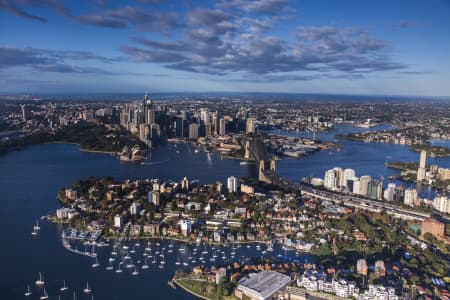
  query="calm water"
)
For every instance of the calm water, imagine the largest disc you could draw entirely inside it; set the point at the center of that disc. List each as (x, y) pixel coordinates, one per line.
(30, 179)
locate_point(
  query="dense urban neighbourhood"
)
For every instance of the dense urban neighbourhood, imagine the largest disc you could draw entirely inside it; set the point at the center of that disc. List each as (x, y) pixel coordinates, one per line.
(366, 239)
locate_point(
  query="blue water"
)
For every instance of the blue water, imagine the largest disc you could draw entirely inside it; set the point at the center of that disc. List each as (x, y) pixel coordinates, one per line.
(30, 179)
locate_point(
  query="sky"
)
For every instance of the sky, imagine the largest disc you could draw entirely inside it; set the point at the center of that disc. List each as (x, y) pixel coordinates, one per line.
(377, 47)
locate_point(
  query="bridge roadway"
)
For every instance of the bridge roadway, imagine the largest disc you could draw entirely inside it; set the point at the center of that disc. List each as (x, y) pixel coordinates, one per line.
(258, 152)
(365, 204)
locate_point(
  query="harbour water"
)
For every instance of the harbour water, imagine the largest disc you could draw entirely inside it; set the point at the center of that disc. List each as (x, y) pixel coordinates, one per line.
(30, 179)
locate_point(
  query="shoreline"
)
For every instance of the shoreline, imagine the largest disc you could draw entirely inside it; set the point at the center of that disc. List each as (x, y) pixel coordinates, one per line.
(82, 149)
(175, 281)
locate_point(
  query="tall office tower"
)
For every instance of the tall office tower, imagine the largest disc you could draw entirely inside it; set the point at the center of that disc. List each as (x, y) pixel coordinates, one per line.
(150, 119)
(399, 194)
(422, 165)
(330, 180)
(410, 196)
(208, 130)
(423, 159)
(147, 106)
(339, 176)
(388, 194)
(124, 119)
(193, 131)
(375, 189)
(222, 127)
(232, 184)
(204, 116)
(348, 174)
(143, 132)
(356, 186)
(180, 127)
(364, 184)
(155, 131)
(25, 112)
(216, 123)
(185, 184)
(250, 125)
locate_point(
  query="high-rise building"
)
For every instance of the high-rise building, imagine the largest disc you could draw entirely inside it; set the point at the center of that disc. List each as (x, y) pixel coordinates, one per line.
(399, 194)
(422, 166)
(118, 221)
(339, 176)
(330, 180)
(388, 194)
(193, 131)
(250, 126)
(222, 127)
(153, 197)
(442, 204)
(364, 184)
(410, 196)
(216, 121)
(232, 184)
(134, 208)
(348, 174)
(423, 159)
(186, 227)
(185, 184)
(375, 189)
(25, 112)
(356, 187)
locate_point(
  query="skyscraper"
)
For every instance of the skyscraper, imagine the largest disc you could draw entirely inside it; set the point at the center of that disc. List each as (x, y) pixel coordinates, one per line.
(364, 184)
(422, 165)
(330, 180)
(193, 131)
(232, 184)
(222, 127)
(250, 125)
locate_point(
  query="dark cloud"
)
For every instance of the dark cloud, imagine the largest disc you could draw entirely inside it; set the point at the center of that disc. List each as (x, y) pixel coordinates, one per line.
(101, 21)
(11, 8)
(50, 60)
(214, 44)
(258, 6)
(405, 24)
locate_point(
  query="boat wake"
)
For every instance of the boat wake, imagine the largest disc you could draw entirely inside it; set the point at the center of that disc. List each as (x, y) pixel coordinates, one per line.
(155, 162)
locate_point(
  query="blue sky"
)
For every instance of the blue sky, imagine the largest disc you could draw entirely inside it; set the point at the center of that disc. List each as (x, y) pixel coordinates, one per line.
(310, 46)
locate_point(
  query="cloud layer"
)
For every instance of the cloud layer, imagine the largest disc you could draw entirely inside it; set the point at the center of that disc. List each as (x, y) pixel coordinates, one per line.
(235, 38)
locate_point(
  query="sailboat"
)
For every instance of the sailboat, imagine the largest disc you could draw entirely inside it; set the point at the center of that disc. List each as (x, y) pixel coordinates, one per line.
(145, 265)
(95, 264)
(119, 270)
(110, 267)
(64, 287)
(178, 262)
(28, 292)
(40, 281)
(135, 272)
(37, 227)
(87, 289)
(45, 296)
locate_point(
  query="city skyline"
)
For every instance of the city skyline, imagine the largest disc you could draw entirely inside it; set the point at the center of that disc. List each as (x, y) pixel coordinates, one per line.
(239, 46)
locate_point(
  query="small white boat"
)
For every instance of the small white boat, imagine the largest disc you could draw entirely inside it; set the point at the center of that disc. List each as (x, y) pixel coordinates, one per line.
(95, 264)
(28, 292)
(45, 296)
(110, 267)
(135, 272)
(37, 227)
(40, 281)
(87, 289)
(145, 265)
(64, 287)
(196, 151)
(119, 270)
